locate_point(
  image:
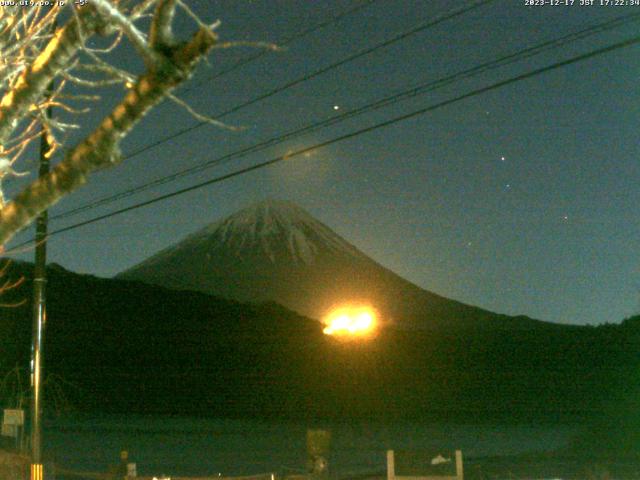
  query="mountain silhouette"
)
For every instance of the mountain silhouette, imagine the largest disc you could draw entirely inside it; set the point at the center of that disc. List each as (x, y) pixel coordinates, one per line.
(126, 346)
(276, 251)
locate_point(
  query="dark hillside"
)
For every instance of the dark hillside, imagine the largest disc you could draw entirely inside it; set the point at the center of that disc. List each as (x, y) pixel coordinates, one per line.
(135, 347)
(276, 251)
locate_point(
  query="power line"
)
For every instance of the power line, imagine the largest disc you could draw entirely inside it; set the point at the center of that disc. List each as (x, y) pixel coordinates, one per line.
(286, 41)
(321, 71)
(355, 133)
(403, 95)
(249, 59)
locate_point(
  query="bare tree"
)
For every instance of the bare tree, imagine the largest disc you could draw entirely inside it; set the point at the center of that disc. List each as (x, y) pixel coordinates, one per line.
(33, 54)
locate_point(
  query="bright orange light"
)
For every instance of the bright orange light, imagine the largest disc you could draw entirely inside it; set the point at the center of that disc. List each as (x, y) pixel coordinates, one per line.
(351, 321)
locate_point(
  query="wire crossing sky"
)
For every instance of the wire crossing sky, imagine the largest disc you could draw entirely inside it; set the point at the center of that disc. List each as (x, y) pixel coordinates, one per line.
(516, 192)
(429, 86)
(308, 150)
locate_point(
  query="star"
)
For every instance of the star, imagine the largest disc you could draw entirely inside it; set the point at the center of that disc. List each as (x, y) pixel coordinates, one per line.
(502, 159)
(336, 107)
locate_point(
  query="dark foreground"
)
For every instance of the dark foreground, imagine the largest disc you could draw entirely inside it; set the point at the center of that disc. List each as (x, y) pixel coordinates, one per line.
(15, 467)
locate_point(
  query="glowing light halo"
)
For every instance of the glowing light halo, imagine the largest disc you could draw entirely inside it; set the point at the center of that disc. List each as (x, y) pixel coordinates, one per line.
(351, 321)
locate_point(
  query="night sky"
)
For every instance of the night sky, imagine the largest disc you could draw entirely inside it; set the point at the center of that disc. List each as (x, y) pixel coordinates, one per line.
(522, 200)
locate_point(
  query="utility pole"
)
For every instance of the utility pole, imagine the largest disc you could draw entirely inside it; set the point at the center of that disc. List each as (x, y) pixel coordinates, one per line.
(39, 313)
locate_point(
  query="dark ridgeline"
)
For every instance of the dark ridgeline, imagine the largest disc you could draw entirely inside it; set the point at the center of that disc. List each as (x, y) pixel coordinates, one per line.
(276, 251)
(135, 347)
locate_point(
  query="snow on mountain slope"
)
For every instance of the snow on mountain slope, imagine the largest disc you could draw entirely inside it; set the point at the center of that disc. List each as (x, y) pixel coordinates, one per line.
(272, 225)
(276, 251)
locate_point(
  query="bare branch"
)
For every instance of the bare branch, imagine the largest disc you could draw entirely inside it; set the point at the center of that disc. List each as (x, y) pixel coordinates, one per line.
(66, 108)
(90, 83)
(141, 9)
(200, 117)
(110, 48)
(106, 68)
(101, 148)
(33, 82)
(245, 43)
(138, 39)
(62, 126)
(196, 19)
(161, 34)
(80, 97)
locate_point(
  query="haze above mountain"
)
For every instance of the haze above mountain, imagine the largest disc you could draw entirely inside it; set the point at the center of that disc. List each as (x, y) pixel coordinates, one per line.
(276, 251)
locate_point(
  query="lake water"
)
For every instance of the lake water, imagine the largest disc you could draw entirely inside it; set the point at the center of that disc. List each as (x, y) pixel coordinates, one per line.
(195, 446)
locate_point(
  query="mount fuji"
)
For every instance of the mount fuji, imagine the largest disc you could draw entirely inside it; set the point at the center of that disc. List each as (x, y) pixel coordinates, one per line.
(276, 251)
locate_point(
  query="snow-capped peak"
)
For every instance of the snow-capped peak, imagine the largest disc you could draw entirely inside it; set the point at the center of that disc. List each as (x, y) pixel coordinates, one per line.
(275, 226)
(278, 224)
